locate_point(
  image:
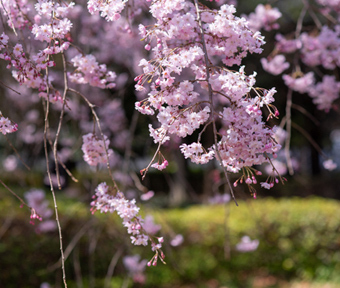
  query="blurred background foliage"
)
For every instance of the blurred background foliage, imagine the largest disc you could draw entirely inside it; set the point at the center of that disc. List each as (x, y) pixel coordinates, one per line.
(299, 240)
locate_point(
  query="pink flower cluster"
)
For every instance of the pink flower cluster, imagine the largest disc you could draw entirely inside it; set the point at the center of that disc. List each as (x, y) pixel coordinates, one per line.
(320, 48)
(276, 65)
(196, 153)
(16, 12)
(136, 268)
(246, 141)
(26, 72)
(220, 199)
(106, 199)
(7, 126)
(39, 209)
(329, 165)
(330, 5)
(56, 26)
(247, 245)
(89, 71)
(323, 93)
(110, 10)
(264, 17)
(94, 149)
(179, 85)
(53, 30)
(161, 166)
(300, 84)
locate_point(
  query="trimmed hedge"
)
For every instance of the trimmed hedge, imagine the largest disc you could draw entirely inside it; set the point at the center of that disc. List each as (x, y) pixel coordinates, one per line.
(299, 239)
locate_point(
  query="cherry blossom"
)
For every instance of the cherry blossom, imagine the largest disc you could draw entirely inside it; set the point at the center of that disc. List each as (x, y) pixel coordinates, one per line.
(247, 245)
(264, 17)
(135, 267)
(177, 240)
(325, 93)
(182, 106)
(36, 200)
(276, 65)
(7, 126)
(89, 71)
(107, 199)
(299, 84)
(329, 165)
(95, 150)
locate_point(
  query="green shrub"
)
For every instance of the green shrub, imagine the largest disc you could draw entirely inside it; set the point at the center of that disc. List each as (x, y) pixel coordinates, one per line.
(299, 239)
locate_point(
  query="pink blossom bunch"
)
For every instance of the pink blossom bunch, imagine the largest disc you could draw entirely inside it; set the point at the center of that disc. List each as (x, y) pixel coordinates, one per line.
(110, 10)
(264, 17)
(106, 199)
(135, 267)
(196, 153)
(7, 126)
(276, 65)
(26, 71)
(329, 165)
(177, 240)
(220, 199)
(285, 45)
(147, 196)
(247, 245)
(55, 28)
(36, 199)
(325, 93)
(331, 5)
(149, 225)
(57, 25)
(182, 105)
(89, 71)
(320, 48)
(323, 49)
(246, 141)
(94, 149)
(39, 209)
(161, 166)
(16, 12)
(300, 84)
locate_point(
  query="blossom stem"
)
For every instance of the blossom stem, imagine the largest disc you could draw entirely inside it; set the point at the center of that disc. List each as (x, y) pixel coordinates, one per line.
(47, 107)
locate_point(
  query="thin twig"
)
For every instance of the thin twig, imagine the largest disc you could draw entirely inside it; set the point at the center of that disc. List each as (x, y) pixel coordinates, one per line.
(93, 237)
(51, 184)
(138, 183)
(300, 20)
(289, 131)
(111, 268)
(91, 106)
(77, 268)
(310, 139)
(6, 225)
(17, 153)
(60, 121)
(71, 246)
(312, 14)
(10, 18)
(3, 84)
(69, 173)
(305, 112)
(15, 195)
